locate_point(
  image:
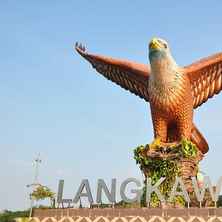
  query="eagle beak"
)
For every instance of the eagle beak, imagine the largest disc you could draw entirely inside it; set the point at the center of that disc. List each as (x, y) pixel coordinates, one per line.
(154, 44)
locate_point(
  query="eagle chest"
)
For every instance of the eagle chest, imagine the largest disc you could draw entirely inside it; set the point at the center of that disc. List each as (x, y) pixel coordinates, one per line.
(166, 96)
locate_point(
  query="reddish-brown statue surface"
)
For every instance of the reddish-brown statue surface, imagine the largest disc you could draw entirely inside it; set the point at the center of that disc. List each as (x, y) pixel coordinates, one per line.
(172, 91)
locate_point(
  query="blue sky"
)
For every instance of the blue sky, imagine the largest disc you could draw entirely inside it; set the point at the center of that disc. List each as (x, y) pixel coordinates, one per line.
(84, 126)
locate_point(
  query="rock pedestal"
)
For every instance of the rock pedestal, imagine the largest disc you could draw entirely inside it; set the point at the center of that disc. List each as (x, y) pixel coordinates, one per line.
(180, 160)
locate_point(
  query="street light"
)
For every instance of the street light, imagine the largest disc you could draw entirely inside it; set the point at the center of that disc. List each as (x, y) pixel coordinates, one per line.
(35, 183)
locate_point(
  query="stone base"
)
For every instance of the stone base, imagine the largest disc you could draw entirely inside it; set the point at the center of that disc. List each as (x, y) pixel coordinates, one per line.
(128, 215)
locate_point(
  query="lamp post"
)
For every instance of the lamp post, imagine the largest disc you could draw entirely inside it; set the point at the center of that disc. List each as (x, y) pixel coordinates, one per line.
(35, 183)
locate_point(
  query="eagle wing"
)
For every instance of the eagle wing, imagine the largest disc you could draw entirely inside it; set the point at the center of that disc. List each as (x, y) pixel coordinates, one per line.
(129, 75)
(206, 78)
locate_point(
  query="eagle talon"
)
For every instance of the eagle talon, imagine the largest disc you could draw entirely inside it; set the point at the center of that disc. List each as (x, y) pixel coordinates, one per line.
(170, 144)
(157, 144)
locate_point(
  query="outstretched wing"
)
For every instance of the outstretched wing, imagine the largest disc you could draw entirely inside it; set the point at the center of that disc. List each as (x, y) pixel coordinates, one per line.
(205, 78)
(129, 75)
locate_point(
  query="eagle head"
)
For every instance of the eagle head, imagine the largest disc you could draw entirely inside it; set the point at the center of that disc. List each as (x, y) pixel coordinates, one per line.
(158, 48)
(159, 54)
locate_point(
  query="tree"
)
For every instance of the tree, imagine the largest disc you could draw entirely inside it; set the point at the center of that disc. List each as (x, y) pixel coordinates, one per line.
(9, 216)
(43, 192)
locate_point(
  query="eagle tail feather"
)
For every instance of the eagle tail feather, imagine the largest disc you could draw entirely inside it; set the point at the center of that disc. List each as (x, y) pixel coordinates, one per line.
(198, 139)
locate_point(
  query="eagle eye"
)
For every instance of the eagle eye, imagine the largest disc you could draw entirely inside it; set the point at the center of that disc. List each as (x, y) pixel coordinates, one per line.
(165, 45)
